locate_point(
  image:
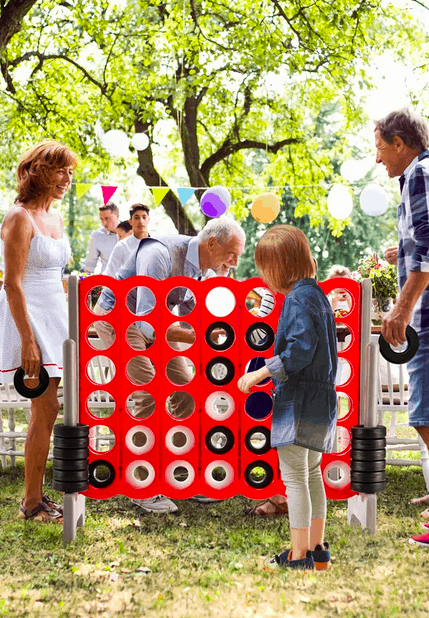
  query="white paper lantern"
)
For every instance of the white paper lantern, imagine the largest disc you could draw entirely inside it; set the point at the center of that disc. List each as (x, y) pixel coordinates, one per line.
(340, 202)
(116, 143)
(373, 200)
(140, 141)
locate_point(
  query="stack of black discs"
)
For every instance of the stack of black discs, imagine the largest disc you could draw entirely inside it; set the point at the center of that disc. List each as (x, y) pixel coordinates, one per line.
(71, 458)
(368, 459)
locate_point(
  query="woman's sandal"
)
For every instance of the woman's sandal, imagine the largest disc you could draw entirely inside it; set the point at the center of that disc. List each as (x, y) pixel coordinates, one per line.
(280, 509)
(37, 513)
(52, 505)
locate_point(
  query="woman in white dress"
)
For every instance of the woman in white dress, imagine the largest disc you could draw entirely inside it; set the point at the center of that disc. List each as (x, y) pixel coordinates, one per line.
(33, 312)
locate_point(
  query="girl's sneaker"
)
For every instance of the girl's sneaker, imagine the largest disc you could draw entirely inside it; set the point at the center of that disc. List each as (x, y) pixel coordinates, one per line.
(425, 526)
(322, 557)
(284, 561)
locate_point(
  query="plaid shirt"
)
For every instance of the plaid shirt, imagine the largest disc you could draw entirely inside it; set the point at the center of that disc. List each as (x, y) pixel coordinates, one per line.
(413, 231)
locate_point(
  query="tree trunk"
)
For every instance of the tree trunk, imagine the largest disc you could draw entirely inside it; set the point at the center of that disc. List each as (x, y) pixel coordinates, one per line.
(171, 202)
(11, 17)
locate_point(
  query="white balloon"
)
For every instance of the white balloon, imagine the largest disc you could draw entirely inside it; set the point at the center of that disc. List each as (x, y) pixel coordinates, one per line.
(116, 143)
(373, 200)
(340, 202)
(351, 170)
(355, 169)
(140, 141)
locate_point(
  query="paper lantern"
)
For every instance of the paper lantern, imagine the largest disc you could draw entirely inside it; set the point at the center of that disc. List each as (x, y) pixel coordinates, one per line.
(373, 200)
(116, 143)
(215, 201)
(340, 202)
(265, 208)
(140, 141)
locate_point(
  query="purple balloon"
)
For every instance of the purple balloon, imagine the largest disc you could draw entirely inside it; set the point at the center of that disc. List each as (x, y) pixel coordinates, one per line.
(215, 201)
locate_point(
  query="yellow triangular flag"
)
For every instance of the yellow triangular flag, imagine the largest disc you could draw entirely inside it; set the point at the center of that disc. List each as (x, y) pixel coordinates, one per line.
(159, 193)
(81, 189)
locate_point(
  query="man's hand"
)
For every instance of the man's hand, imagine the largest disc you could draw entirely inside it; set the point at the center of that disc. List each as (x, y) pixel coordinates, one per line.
(395, 323)
(391, 255)
(216, 334)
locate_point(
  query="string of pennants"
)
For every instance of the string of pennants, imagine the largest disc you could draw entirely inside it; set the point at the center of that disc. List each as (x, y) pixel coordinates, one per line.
(215, 201)
(158, 192)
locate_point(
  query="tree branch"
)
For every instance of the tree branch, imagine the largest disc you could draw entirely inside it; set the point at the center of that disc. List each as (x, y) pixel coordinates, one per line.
(228, 148)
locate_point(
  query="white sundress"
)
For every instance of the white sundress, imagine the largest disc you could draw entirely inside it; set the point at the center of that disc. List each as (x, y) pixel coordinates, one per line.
(46, 306)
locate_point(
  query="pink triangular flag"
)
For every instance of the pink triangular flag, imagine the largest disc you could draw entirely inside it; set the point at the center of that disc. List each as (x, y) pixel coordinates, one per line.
(107, 192)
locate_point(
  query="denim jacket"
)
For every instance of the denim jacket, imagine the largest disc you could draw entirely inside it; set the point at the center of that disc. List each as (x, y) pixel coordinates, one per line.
(304, 369)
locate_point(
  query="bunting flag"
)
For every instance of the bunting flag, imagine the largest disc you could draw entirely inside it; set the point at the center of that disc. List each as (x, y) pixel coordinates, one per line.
(81, 189)
(107, 192)
(159, 193)
(185, 194)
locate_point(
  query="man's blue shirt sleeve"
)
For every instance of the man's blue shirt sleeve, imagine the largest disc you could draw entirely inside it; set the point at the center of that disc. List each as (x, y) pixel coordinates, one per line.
(419, 207)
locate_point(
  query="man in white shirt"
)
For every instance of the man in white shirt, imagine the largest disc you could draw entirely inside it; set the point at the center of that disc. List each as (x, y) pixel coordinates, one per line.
(102, 241)
(139, 220)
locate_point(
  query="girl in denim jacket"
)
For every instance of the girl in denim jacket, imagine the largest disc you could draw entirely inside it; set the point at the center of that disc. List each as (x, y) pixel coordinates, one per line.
(303, 370)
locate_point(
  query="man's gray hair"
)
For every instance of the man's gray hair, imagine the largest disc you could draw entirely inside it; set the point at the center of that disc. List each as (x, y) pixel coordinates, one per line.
(407, 125)
(222, 228)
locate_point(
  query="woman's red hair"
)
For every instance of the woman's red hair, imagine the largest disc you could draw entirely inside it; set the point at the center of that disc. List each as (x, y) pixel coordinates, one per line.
(36, 166)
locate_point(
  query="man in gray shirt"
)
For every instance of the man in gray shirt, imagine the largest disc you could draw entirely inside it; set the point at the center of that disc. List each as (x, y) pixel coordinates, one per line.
(102, 241)
(215, 250)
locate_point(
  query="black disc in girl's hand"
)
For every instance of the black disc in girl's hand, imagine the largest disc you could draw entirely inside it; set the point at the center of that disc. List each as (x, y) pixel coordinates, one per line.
(25, 391)
(400, 357)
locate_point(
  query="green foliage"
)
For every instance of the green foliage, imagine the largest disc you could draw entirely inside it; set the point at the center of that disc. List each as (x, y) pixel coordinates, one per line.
(363, 234)
(234, 82)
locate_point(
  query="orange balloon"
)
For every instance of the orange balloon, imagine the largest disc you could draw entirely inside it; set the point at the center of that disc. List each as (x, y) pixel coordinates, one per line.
(265, 208)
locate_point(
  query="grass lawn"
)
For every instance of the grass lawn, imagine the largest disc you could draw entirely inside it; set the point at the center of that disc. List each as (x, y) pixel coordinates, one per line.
(209, 561)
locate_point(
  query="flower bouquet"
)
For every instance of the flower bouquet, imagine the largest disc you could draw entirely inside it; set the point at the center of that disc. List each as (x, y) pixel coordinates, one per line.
(384, 281)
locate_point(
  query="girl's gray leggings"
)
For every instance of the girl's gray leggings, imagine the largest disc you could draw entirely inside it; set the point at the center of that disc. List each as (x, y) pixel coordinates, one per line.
(300, 471)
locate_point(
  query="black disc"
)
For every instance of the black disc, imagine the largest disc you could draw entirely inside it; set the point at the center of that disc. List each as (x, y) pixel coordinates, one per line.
(227, 439)
(75, 443)
(230, 336)
(74, 431)
(368, 477)
(377, 455)
(369, 433)
(101, 483)
(70, 464)
(265, 480)
(70, 475)
(70, 453)
(367, 466)
(400, 357)
(253, 333)
(368, 488)
(31, 393)
(70, 488)
(227, 373)
(368, 445)
(251, 434)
